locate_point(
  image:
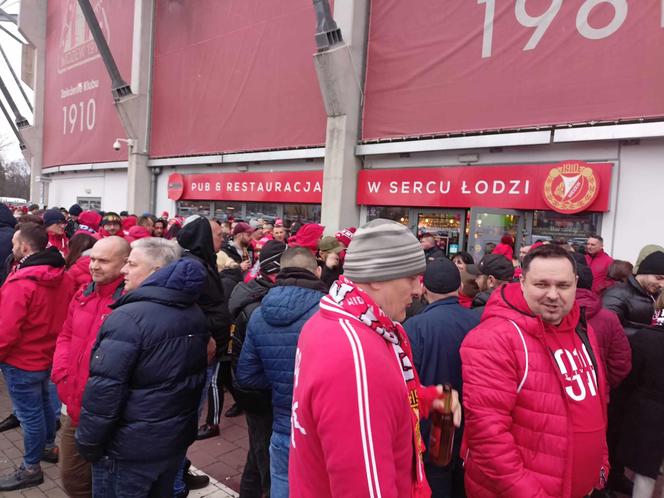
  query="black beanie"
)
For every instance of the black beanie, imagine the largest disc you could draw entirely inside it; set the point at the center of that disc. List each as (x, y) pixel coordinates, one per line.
(442, 276)
(75, 210)
(270, 256)
(652, 265)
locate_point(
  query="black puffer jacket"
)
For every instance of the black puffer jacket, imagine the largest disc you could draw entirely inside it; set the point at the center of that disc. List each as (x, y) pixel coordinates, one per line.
(196, 239)
(147, 370)
(479, 302)
(633, 305)
(246, 297)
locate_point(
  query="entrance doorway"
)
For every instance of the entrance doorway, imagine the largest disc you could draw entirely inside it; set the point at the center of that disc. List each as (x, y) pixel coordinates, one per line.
(446, 225)
(487, 227)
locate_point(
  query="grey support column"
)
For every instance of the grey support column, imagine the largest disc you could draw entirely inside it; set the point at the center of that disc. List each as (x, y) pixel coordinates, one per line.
(134, 110)
(340, 69)
(32, 24)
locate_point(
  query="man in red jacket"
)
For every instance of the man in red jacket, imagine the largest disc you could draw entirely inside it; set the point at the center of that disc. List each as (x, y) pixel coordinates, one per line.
(71, 361)
(357, 399)
(599, 263)
(34, 301)
(534, 389)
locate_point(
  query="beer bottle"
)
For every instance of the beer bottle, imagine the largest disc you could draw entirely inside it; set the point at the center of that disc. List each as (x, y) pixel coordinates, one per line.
(441, 436)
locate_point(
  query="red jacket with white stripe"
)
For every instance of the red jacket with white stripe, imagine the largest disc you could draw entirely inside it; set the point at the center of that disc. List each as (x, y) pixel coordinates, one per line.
(351, 423)
(518, 437)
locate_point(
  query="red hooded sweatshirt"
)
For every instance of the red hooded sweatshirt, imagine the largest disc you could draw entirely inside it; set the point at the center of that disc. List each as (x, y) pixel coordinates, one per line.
(535, 414)
(34, 301)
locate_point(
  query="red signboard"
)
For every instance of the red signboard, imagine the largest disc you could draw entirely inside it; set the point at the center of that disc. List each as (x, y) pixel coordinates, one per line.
(234, 75)
(509, 187)
(445, 67)
(284, 186)
(80, 121)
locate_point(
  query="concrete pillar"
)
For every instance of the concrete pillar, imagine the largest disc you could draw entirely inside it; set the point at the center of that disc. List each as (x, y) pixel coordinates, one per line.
(32, 25)
(341, 77)
(134, 110)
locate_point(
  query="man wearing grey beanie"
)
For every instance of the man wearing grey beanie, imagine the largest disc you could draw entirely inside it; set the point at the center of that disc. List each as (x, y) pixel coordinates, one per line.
(357, 398)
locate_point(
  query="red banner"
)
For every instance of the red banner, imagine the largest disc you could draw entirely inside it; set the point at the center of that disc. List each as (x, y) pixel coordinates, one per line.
(80, 121)
(447, 67)
(568, 187)
(284, 186)
(234, 75)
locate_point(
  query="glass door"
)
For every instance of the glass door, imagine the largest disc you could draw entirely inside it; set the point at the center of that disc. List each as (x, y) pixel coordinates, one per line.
(446, 225)
(488, 226)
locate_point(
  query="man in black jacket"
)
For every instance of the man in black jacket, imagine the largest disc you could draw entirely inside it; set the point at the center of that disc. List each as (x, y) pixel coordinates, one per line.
(257, 404)
(431, 250)
(147, 374)
(634, 300)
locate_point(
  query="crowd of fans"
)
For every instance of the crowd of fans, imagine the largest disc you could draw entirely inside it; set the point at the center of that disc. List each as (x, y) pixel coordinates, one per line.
(119, 331)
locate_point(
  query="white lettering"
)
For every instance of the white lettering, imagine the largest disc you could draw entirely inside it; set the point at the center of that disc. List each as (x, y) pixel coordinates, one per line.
(444, 190)
(417, 187)
(307, 186)
(297, 186)
(374, 187)
(527, 186)
(405, 187)
(229, 186)
(217, 186)
(431, 187)
(277, 186)
(464, 187)
(394, 187)
(318, 188)
(514, 189)
(481, 187)
(498, 187)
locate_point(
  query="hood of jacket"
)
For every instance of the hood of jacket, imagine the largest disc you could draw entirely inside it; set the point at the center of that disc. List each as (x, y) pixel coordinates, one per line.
(196, 237)
(507, 302)
(284, 305)
(45, 267)
(6, 217)
(246, 293)
(587, 299)
(178, 285)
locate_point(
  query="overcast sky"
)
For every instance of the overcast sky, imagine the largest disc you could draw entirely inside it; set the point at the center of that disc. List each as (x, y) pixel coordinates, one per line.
(13, 50)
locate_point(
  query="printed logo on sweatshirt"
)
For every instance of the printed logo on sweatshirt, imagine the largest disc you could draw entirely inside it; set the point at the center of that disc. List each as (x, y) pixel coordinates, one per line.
(578, 371)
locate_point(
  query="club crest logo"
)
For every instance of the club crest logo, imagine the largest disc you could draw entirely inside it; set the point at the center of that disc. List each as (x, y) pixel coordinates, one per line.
(77, 46)
(571, 187)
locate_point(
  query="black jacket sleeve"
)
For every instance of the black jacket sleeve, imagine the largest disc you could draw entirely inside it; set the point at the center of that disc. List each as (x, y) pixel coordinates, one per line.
(112, 363)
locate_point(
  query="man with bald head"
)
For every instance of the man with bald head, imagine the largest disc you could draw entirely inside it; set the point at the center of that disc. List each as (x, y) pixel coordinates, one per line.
(87, 311)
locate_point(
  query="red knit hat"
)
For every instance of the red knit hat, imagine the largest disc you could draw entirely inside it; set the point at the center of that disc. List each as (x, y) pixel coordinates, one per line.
(308, 236)
(344, 236)
(90, 219)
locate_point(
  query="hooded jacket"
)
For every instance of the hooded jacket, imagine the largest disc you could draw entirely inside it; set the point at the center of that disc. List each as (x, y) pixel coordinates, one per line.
(80, 271)
(519, 435)
(147, 370)
(34, 301)
(599, 264)
(267, 360)
(631, 303)
(244, 300)
(71, 361)
(7, 224)
(613, 345)
(196, 239)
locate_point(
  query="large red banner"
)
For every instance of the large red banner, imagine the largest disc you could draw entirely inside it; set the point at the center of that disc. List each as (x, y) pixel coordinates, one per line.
(80, 121)
(234, 75)
(282, 186)
(456, 66)
(568, 187)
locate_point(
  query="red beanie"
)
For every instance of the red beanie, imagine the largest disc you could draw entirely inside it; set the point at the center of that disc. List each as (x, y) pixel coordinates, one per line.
(308, 236)
(90, 219)
(137, 232)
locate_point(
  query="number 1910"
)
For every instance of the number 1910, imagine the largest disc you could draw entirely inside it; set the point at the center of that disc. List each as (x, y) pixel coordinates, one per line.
(542, 22)
(79, 117)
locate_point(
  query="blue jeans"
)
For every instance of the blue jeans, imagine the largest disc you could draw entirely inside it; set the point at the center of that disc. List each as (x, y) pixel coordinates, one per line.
(179, 485)
(29, 393)
(55, 401)
(122, 479)
(279, 447)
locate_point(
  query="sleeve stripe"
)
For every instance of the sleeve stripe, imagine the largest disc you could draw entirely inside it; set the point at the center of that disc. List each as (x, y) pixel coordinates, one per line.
(363, 405)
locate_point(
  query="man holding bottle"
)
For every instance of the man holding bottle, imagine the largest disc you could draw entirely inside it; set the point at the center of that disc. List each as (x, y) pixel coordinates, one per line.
(357, 398)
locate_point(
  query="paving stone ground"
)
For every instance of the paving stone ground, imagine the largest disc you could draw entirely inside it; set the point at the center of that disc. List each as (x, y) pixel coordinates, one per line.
(222, 458)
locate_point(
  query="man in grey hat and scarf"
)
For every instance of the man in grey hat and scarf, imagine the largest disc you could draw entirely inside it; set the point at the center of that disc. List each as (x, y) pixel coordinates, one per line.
(357, 399)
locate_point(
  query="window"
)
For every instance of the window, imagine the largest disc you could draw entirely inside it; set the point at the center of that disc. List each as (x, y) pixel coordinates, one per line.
(89, 203)
(399, 214)
(227, 209)
(304, 213)
(265, 210)
(572, 228)
(188, 208)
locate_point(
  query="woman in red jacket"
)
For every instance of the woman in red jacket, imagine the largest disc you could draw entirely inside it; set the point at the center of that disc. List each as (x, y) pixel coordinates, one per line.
(77, 261)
